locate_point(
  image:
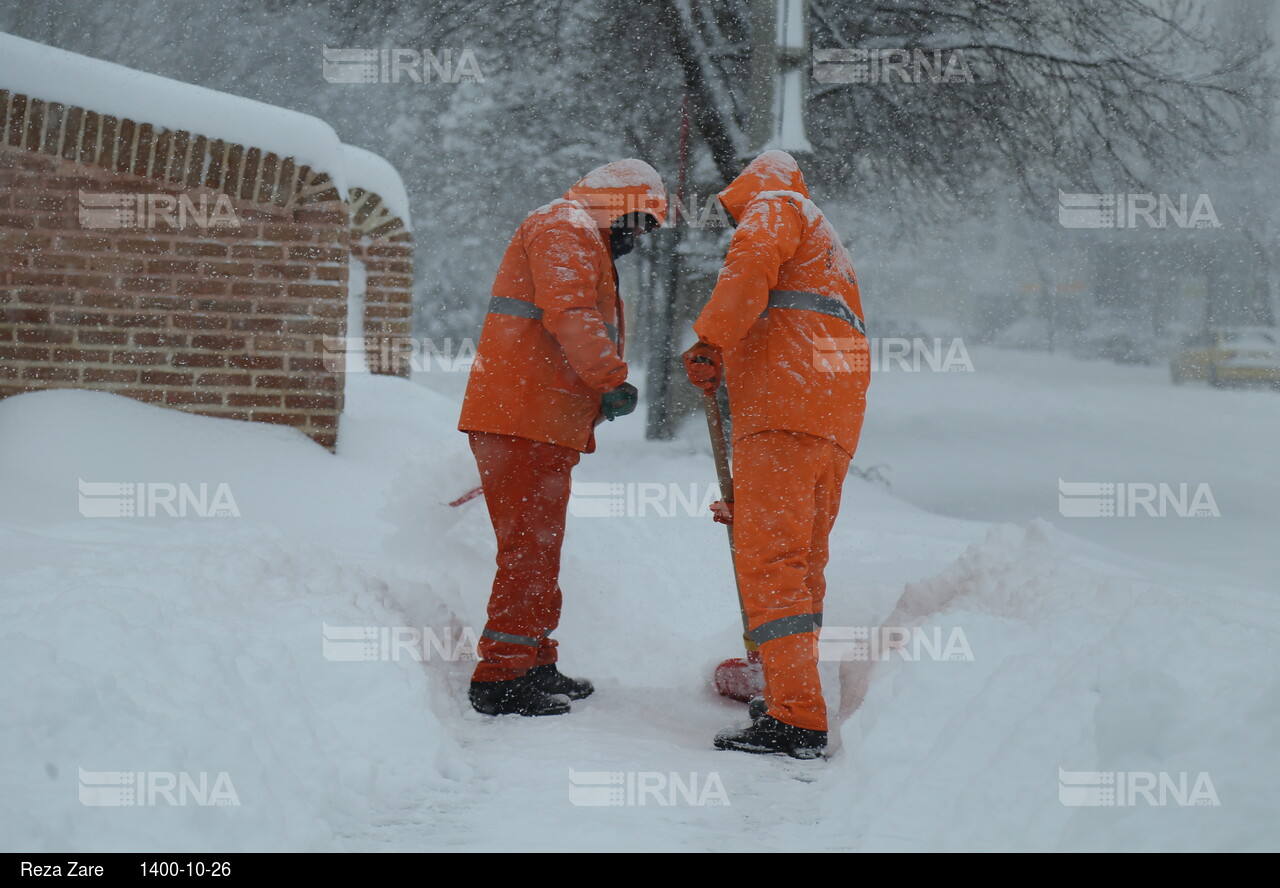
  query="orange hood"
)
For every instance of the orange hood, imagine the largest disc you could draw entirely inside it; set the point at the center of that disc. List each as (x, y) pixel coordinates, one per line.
(771, 171)
(618, 188)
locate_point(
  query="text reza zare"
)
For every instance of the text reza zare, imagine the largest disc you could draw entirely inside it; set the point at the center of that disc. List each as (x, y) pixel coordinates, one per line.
(73, 869)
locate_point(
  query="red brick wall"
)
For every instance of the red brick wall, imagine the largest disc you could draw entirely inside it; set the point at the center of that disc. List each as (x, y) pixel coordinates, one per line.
(224, 321)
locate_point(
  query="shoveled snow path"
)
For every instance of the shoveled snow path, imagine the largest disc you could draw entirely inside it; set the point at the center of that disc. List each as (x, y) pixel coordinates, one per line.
(195, 645)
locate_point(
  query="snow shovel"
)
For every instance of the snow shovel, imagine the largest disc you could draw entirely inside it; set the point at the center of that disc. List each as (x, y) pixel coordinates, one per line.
(739, 678)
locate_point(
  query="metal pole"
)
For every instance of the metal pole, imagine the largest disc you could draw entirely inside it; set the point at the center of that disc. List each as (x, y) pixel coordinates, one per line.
(662, 356)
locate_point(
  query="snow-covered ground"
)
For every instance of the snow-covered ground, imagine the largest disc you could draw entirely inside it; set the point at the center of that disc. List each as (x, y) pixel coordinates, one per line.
(197, 645)
(993, 444)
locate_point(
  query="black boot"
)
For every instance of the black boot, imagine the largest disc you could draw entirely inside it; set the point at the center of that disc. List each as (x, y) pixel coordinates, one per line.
(519, 696)
(549, 680)
(756, 707)
(768, 735)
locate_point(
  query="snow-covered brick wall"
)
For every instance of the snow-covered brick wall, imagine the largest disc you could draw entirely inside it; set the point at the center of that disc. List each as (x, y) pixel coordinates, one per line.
(99, 290)
(179, 268)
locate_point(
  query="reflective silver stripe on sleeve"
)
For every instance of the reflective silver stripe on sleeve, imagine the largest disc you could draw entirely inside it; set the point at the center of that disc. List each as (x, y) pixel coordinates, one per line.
(781, 628)
(511, 639)
(519, 308)
(806, 301)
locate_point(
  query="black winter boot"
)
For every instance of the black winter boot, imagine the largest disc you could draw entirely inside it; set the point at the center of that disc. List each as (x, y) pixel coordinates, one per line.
(756, 707)
(518, 696)
(549, 680)
(768, 735)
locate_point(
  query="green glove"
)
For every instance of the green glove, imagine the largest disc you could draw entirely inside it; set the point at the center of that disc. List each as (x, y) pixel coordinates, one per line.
(619, 402)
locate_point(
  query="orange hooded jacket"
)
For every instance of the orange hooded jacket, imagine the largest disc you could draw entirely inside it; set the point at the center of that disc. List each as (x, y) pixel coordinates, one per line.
(790, 369)
(552, 341)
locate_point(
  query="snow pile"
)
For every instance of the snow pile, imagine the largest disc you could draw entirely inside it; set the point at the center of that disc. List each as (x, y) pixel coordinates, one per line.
(196, 645)
(55, 75)
(1076, 666)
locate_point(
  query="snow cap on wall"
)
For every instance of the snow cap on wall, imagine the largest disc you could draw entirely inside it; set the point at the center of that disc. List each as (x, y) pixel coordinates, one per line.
(372, 172)
(55, 75)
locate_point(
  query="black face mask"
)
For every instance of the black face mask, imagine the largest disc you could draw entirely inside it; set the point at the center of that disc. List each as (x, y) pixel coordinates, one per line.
(621, 241)
(622, 234)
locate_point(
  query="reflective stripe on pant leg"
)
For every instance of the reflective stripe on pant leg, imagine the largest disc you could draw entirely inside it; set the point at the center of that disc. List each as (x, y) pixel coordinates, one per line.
(511, 639)
(785, 626)
(546, 646)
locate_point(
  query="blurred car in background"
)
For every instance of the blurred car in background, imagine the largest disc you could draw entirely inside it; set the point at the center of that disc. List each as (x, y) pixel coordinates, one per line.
(1229, 356)
(1108, 341)
(1027, 334)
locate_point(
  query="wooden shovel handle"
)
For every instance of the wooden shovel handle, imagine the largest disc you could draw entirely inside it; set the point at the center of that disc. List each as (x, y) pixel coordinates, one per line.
(720, 450)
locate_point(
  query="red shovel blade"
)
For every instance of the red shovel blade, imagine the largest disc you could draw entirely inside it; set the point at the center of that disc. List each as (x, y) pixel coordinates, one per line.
(740, 678)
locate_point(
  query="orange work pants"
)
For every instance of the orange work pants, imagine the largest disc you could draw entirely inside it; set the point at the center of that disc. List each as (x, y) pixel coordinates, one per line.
(786, 496)
(526, 488)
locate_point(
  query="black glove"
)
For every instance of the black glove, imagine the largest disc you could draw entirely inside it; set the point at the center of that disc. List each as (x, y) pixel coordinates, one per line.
(619, 402)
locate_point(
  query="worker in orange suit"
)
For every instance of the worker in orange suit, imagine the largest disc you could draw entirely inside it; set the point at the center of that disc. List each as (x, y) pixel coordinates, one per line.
(548, 370)
(784, 329)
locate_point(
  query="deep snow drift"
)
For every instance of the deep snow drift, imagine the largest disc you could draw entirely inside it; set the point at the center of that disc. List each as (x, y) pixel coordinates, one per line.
(197, 645)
